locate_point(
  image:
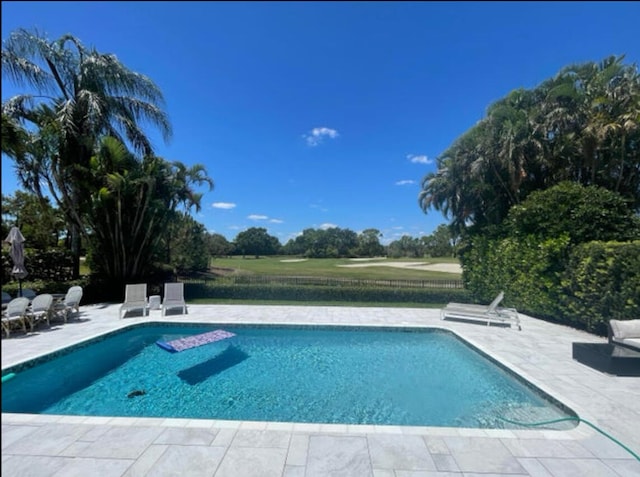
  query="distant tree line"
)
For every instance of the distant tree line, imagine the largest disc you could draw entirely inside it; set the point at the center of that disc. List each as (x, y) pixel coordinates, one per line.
(189, 246)
(339, 242)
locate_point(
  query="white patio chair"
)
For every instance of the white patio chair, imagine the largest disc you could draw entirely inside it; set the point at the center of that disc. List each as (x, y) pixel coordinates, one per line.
(135, 298)
(40, 310)
(15, 313)
(173, 297)
(70, 304)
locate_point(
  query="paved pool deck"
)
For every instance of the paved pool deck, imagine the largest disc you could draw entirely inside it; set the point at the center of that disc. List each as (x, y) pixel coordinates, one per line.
(63, 446)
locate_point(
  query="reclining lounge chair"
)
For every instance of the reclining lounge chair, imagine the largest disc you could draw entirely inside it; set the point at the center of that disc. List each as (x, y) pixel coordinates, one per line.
(135, 298)
(173, 297)
(491, 313)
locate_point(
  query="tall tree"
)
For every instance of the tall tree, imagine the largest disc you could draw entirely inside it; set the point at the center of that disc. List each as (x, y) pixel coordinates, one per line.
(38, 221)
(131, 206)
(581, 126)
(441, 243)
(78, 95)
(256, 241)
(190, 250)
(406, 246)
(369, 243)
(218, 245)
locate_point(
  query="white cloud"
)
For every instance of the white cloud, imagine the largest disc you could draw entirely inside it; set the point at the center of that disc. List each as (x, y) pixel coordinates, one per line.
(257, 217)
(223, 205)
(405, 182)
(276, 221)
(422, 159)
(319, 207)
(317, 135)
(328, 225)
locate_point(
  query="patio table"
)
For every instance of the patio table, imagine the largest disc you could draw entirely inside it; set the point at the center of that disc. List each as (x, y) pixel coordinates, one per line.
(58, 296)
(608, 358)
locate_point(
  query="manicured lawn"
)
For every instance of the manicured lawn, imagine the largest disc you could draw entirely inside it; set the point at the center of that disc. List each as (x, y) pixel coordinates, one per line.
(330, 267)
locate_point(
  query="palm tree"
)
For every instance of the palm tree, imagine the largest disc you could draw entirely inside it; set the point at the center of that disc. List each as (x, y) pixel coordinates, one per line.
(590, 115)
(14, 138)
(181, 180)
(581, 126)
(133, 206)
(79, 95)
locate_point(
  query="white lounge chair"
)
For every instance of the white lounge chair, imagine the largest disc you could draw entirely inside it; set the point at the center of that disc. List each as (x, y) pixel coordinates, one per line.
(15, 313)
(70, 304)
(40, 309)
(491, 313)
(469, 306)
(625, 333)
(135, 298)
(173, 297)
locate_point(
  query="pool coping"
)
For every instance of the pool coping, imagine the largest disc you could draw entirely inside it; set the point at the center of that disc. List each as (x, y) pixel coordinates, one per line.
(580, 429)
(486, 354)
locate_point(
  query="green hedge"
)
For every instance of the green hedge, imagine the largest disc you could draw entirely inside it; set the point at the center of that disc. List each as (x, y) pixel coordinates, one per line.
(602, 282)
(324, 293)
(527, 269)
(44, 286)
(583, 286)
(49, 265)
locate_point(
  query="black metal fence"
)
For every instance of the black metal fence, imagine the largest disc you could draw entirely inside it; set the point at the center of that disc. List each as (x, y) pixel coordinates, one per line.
(328, 281)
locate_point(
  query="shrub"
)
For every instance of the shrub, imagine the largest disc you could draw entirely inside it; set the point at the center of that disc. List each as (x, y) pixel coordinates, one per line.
(53, 264)
(602, 282)
(527, 269)
(325, 293)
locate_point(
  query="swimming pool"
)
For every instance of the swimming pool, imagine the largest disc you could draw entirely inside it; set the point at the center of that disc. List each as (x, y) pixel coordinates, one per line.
(399, 376)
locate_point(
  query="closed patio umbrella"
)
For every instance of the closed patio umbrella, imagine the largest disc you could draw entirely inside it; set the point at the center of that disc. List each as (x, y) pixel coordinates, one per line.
(16, 240)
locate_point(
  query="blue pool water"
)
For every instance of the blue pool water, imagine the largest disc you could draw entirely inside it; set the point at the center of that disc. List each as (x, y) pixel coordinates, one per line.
(321, 375)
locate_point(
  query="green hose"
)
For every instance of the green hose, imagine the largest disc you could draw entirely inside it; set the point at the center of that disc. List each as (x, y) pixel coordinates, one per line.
(593, 426)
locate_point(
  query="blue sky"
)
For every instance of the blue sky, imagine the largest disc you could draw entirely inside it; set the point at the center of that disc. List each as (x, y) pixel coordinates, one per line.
(318, 114)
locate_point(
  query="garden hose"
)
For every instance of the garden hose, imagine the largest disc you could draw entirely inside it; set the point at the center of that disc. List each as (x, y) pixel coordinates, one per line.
(593, 426)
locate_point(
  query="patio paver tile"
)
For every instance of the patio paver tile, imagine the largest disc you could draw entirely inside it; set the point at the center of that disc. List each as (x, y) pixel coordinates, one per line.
(338, 455)
(483, 455)
(252, 462)
(399, 452)
(187, 461)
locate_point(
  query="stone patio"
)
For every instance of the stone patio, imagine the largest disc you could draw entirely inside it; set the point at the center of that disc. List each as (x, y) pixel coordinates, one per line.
(42, 445)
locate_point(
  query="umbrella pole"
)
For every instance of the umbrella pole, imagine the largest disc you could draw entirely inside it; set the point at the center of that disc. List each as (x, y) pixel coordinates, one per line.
(19, 287)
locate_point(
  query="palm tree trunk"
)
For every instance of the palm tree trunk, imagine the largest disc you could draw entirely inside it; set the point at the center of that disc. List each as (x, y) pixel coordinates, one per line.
(75, 250)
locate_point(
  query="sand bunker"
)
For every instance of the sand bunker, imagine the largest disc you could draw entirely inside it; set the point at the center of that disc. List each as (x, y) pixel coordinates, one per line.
(292, 260)
(434, 267)
(367, 259)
